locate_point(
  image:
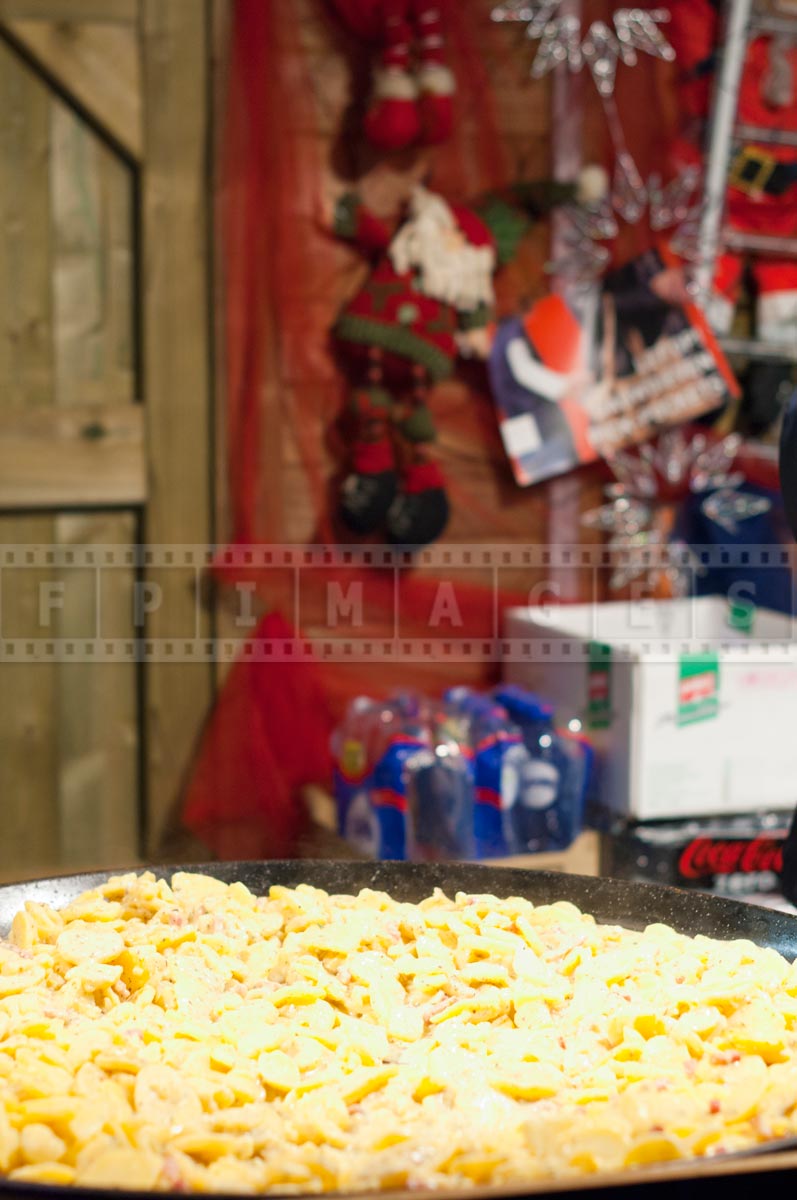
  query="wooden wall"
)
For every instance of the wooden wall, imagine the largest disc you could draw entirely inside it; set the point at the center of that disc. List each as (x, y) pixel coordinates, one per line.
(104, 411)
(68, 733)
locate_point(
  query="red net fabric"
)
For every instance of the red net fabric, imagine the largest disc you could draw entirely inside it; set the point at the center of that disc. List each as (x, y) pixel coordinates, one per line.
(295, 76)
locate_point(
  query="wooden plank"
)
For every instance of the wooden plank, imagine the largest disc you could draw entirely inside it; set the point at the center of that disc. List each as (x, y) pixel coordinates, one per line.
(28, 737)
(98, 741)
(176, 326)
(92, 214)
(67, 457)
(27, 691)
(98, 738)
(124, 12)
(26, 361)
(95, 65)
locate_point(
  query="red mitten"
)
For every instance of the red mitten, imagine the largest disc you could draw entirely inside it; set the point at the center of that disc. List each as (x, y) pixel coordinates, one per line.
(435, 78)
(393, 120)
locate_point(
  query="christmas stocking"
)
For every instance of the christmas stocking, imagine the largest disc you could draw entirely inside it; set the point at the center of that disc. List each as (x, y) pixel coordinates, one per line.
(393, 120)
(419, 513)
(435, 79)
(369, 489)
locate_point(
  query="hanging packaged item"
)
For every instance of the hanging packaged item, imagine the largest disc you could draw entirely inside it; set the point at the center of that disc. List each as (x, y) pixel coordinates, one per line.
(580, 380)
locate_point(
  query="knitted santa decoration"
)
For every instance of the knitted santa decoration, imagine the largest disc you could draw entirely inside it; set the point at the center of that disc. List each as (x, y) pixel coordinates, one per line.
(429, 282)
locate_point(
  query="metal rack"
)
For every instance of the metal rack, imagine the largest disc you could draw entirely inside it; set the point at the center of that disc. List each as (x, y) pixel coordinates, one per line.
(724, 132)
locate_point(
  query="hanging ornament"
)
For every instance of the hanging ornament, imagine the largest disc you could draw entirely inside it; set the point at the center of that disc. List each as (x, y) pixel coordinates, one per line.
(583, 259)
(638, 29)
(584, 225)
(596, 222)
(632, 30)
(642, 503)
(528, 14)
(560, 42)
(673, 203)
(601, 49)
(629, 194)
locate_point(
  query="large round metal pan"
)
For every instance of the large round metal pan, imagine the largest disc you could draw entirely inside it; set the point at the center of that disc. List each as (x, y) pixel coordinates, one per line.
(619, 902)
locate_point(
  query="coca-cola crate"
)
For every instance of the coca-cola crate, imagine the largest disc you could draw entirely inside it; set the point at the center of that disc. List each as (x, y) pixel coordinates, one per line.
(733, 856)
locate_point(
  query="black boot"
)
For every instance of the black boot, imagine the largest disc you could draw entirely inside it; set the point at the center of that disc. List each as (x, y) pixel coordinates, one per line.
(417, 518)
(369, 489)
(366, 500)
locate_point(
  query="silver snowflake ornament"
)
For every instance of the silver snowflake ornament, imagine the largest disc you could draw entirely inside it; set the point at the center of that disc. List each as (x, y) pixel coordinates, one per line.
(633, 31)
(652, 480)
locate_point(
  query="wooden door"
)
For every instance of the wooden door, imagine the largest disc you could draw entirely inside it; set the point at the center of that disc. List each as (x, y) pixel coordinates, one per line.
(104, 422)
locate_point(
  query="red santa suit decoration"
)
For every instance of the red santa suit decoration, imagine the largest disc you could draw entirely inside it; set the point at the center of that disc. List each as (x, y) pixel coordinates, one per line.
(428, 297)
(762, 191)
(412, 86)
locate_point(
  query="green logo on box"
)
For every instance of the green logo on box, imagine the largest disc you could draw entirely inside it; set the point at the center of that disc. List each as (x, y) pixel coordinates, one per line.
(599, 686)
(698, 687)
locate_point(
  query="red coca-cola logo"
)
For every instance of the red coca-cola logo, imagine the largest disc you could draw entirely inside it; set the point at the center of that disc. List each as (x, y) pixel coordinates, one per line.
(716, 856)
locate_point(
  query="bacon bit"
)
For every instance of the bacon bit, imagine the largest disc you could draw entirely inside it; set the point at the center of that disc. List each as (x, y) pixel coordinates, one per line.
(714, 1106)
(568, 947)
(172, 1175)
(727, 1056)
(562, 1043)
(175, 917)
(679, 978)
(435, 1007)
(657, 1129)
(626, 997)
(690, 1066)
(662, 1085)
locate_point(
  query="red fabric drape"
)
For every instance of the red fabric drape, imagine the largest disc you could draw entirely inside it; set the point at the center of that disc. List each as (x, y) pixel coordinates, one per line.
(280, 282)
(269, 731)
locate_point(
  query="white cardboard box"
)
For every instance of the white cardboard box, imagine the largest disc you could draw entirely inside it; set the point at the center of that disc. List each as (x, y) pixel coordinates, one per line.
(689, 716)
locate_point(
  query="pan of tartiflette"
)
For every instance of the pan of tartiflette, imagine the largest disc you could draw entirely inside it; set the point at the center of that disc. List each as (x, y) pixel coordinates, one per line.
(296, 1028)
